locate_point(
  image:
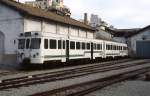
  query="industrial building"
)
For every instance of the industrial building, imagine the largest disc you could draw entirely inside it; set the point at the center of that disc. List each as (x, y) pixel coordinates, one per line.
(121, 35)
(16, 18)
(139, 43)
(138, 40)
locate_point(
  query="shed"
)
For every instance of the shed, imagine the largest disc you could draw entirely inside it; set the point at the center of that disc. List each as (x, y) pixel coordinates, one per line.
(139, 43)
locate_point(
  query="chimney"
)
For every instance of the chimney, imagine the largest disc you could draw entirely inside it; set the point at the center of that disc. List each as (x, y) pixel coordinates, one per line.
(85, 18)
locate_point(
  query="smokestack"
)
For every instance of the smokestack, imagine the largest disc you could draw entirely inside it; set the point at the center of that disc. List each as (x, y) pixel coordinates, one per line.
(85, 18)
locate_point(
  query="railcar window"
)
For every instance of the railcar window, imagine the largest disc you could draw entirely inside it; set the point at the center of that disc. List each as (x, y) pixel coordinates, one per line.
(53, 44)
(114, 47)
(77, 45)
(59, 44)
(101, 46)
(64, 44)
(106, 47)
(120, 47)
(21, 44)
(88, 46)
(46, 43)
(111, 47)
(124, 48)
(27, 43)
(117, 48)
(98, 46)
(83, 45)
(94, 46)
(72, 45)
(35, 43)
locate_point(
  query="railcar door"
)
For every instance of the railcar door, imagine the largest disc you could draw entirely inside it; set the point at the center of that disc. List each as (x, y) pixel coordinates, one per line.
(63, 51)
(67, 50)
(91, 50)
(2, 37)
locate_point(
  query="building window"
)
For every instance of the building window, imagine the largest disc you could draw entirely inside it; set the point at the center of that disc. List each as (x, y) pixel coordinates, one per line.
(46, 43)
(72, 45)
(53, 44)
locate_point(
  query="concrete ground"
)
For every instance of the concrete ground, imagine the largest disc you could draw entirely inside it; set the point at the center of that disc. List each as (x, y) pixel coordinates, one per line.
(127, 88)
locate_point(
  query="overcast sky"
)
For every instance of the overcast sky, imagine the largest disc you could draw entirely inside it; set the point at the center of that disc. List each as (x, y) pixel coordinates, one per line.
(119, 13)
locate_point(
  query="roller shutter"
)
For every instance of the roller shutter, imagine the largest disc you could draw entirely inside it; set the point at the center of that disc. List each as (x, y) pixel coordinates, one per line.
(143, 49)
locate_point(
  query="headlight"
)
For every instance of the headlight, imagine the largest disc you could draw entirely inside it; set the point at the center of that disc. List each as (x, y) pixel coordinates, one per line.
(34, 56)
(37, 54)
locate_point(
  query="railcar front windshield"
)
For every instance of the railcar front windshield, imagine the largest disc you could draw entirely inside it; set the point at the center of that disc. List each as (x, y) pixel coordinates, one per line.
(21, 44)
(35, 43)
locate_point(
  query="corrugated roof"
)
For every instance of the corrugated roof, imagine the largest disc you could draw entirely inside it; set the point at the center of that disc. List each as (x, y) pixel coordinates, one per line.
(140, 31)
(124, 32)
(31, 11)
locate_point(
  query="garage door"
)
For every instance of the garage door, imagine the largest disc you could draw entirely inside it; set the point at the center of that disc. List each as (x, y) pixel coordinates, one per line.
(1, 46)
(143, 49)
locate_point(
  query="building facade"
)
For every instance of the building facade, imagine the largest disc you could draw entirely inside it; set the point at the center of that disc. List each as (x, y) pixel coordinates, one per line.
(16, 18)
(139, 43)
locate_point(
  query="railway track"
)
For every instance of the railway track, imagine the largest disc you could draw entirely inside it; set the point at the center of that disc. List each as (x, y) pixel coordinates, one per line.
(88, 87)
(8, 72)
(5, 72)
(61, 75)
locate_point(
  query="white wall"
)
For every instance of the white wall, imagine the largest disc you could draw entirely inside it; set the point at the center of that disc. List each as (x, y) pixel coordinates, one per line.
(11, 24)
(63, 30)
(82, 33)
(49, 27)
(73, 31)
(60, 29)
(32, 25)
(90, 35)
